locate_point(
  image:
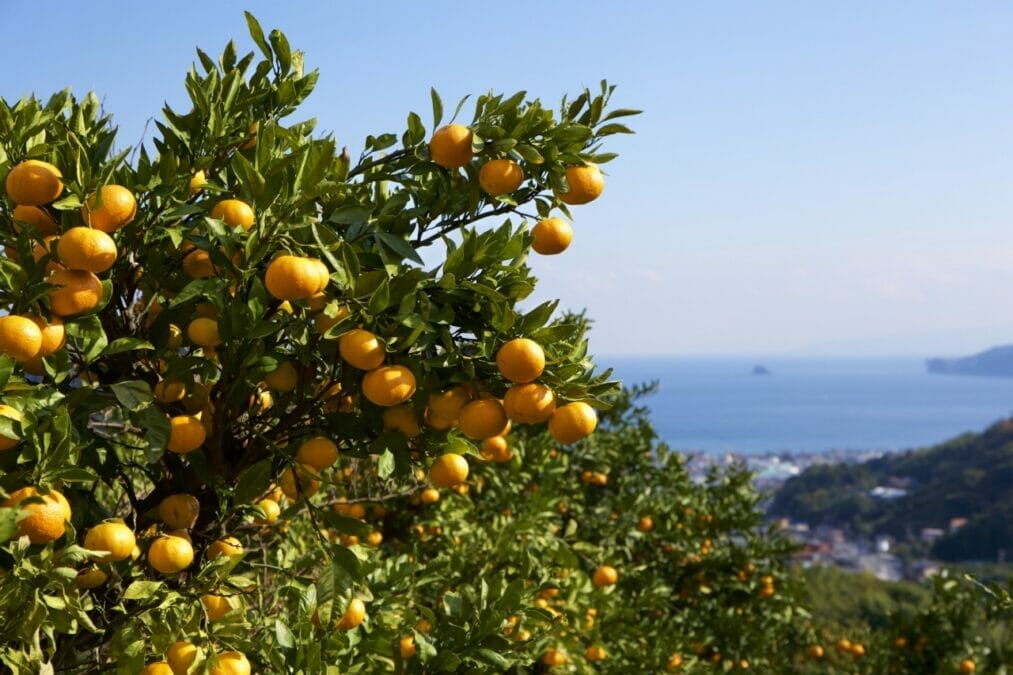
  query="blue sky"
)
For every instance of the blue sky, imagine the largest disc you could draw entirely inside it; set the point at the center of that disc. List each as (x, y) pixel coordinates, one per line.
(808, 178)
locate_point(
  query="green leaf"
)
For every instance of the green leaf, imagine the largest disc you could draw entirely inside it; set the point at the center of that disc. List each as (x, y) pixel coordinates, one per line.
(385, 464)
(437, 107)
(132, 394)
(6, 368)
(253, 481)
(141, 590)
(286, 640)
(257, 33)
(399, 246)
(8, 524)
(126, 344)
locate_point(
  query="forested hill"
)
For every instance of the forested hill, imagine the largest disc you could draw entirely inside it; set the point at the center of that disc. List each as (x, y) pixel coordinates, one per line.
(969, 477)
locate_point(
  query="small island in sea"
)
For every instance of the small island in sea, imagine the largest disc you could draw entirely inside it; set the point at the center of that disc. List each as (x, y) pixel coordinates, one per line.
(761, 370)
(994, 362)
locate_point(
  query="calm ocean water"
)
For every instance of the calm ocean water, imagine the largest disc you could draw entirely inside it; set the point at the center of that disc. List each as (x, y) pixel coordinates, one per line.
(811, 405)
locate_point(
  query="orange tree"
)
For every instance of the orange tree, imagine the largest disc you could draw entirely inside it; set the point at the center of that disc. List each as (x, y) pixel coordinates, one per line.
(197, 330)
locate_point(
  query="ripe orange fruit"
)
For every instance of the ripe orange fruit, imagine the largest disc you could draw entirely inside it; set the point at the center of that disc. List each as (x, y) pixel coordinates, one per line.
(301, 482)
(84, 248)
(170, 554)
(447, 404)
(8, 442)
(112, 536)
(113, 208)
(497, 449)
(500, 176)
(181, 655)
(157, 668)
(20, 337)
(407, 647)
(483, 418)
(45, 521)
(186, 433)
(317, 452)
(229, 546)
(234, 212)
(36, 218)
(215, 605)
(353, 615)
(232, 663)
(291, 277)
(530, 403)
(169, 391)
(595, 653)
(605, 575)
(388, 385)
(437, 422)
(554, 658)
(54, 336)
(323, 322)
(77, 292)
(816, 651)
(179, 511)
(282, 379)
(857, 650)
(586, 184)
(90, 577)
(645, 524)
(521, 360)
(448, 470)
(197, 182)
(968, 666)
(197, 264)
(203, 332)
(844, 645)
(401, 418)
(429, 496)
(33, 183)
(674, 662)
(361, 349)
(572, 422)
(552, 236)
(271, 509)
(450, 146)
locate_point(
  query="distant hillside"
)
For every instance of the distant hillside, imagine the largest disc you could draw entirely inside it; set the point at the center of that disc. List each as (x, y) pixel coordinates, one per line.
(969, 477)
(994, 362)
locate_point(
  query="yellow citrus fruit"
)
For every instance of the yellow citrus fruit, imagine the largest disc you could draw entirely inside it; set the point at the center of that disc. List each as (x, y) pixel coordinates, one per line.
(816, 651)
(157, 668)
(197, 182)
(91, 577)
(84, 248)
(229, 546)
(170, 554)
(500, 176)
(496, 449)
(282, 379)
(203, 332)
(54, 336)
(197, 264)
(317, 452)
(554, 658)
(586, 184)
(300, 482)
(186, 433)
(552, 236)
(216, 606)
(605, 575)
(447, 404)
(437, 422)
(407, 647)
(674, 662)
(572, 422)
(374, 538)
(323, 322)
(113, 208)
(401, 418)
(482, 418)
(232, 663)
(595, 653)
(448, 470)
(179, 511)
(317, 301)
(521, 360)
(353, 615)
(362, 349)
(450, 146)
(645, 524)
(169, 391)
(234, 212)
(429, 496)
(530, 403)
(33, 183)
(45, 521)
(181, 655)
(38, 219)
(77, 291)
(968, 666)
(388, 385)
(291, 277)
(114, 537)
(271, 509)
(20, 337)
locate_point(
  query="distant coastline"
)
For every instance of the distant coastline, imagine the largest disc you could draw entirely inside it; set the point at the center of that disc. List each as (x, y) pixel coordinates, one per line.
(994, 362)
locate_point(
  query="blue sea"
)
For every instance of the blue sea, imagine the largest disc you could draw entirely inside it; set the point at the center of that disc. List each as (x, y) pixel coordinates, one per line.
(717, 405)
